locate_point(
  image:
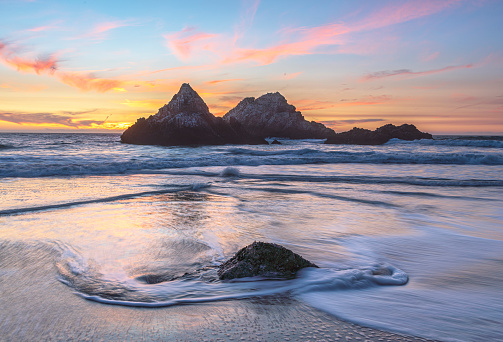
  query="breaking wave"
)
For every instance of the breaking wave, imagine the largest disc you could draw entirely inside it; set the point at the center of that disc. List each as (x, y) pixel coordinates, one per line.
(39, 155)
(94, 165)
(490, 142)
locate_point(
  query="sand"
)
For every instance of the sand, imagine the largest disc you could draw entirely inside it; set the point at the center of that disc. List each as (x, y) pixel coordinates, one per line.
(37, 307)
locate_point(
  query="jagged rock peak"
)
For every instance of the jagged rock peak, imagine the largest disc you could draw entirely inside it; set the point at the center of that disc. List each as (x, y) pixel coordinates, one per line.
(186, 101)
(270, 102)
(186, 121)
(271, 115)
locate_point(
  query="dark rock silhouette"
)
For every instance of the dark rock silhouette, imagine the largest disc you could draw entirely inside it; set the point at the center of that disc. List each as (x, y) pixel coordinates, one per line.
(263, 259)
(360, 136)
(186, 120)
(271, 116)
(275, 142)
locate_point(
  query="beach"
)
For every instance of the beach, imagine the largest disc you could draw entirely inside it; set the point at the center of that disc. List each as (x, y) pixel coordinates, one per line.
(85, 220)
(44, 310)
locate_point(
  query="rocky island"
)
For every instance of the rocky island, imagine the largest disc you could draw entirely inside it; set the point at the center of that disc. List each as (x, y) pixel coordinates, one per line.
(187, 121)
(271, 115)
(361, 136)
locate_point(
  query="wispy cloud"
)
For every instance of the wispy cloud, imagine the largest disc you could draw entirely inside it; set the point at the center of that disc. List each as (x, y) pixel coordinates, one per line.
(44, 27)
(84, 81)
(428, 57)
(151, 104)
(338, 123)
(310, 105)
(23, 118)
(87, 82)
(407, 73)
(305, 42)
(221, 81)
(100, 30)
(66, 119)
(299, 40)
(403, 12)
(291, 76)
(188, 40)
(246, 19)
(36, 65)
(32, 88)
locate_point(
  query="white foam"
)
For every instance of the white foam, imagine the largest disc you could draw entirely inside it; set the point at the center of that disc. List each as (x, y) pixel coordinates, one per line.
(452, 294)
(182, 291)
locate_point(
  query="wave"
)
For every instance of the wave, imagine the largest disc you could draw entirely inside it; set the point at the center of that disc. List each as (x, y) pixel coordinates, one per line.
(490, 142)
(17, 211)
(254, 152)
(89, 282)
(418, 181)
(15, 166)
(5, 147)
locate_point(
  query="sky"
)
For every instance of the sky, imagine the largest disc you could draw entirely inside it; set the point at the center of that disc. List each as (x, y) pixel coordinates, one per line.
(97, 66)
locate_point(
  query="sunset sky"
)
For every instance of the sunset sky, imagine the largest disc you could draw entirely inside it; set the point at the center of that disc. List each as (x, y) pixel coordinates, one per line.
(97, 66)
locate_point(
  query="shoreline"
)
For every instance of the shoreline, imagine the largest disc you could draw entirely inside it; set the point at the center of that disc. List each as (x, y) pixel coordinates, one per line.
(36, 306)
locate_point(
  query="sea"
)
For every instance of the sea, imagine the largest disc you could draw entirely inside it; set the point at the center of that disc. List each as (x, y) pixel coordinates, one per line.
(408, 236)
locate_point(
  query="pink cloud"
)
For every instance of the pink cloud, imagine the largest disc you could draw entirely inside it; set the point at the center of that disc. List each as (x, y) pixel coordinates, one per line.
(87, 82)
(396, 14)
(184, 42)
(309, 105)
(338, 123)
(99, 31)
(22, 64)
(307, 40)
(84, 81)
(428, 57)
(41, 28)
(221, 81)
(292, 75)
(303, 41)
(64, 119)
(407, 73)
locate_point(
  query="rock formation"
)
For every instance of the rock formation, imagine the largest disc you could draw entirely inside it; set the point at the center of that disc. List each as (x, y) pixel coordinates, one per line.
(263, 259)
(186, 120)
(271, 116)
(360, 136)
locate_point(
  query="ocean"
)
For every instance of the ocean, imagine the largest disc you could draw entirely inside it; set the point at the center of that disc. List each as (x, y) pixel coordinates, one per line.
(145, 227)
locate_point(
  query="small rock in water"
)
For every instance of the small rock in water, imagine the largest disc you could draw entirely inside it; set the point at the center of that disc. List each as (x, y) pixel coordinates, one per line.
(263, 259)
(230, 172)
(275, 142)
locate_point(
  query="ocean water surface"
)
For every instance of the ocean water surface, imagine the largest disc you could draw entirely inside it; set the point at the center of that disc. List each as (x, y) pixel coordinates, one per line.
(408, 235)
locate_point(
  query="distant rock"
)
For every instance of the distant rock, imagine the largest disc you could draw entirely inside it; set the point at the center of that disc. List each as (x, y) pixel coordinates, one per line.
(186, 120)
(360, 136)
(275, 142)
(271, 116)
(263, 259)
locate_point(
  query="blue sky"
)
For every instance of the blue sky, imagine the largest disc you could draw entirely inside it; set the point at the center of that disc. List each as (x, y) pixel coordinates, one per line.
(99, 65)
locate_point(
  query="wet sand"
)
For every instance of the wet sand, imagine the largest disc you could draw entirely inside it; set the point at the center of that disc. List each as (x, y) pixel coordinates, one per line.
(37, 307)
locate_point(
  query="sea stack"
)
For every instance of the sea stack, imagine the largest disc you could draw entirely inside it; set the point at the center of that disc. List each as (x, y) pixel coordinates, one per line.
(185, 120)
(272, 116)
(361, 136)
